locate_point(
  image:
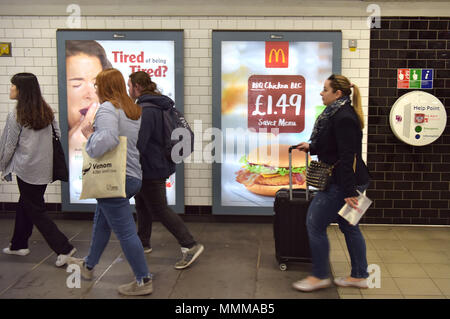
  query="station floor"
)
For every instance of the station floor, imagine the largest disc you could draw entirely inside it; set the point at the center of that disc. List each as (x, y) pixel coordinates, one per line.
(238, 263)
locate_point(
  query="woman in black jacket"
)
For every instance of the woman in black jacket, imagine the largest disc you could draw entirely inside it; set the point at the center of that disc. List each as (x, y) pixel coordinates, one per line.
(337, 140)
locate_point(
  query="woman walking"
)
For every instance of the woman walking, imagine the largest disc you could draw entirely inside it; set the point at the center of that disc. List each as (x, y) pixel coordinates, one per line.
(116, 116)
(337, 140)
(26, 150)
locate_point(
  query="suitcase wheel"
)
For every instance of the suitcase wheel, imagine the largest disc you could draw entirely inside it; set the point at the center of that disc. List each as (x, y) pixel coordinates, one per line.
(283, 267)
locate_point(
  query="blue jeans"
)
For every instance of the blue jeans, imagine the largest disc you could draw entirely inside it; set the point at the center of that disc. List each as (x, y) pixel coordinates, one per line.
(323, 211)
(116, 214)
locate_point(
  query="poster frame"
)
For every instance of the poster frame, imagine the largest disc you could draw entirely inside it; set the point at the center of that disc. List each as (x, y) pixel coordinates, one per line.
(335, 37)
(62, 35)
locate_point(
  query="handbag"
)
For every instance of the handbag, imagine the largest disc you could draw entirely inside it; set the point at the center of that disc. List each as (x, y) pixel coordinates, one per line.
(104, 176)
(60, 171)
(318, 175)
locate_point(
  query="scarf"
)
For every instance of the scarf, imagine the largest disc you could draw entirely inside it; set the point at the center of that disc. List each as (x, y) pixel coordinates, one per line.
(324, 117)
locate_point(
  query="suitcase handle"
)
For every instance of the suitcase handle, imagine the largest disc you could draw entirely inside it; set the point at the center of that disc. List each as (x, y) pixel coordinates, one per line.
(290, 172)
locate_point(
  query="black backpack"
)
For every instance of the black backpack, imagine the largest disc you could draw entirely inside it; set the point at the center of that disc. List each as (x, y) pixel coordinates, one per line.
(173, 119)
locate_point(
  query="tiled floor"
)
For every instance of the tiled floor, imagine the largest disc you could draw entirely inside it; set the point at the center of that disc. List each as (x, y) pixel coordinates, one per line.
(414, 261)
(238, 263)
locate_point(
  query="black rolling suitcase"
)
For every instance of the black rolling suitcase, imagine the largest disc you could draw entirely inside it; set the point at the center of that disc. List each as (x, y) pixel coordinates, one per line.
(289, 228)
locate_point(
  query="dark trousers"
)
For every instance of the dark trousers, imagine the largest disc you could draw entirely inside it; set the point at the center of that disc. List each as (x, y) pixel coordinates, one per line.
(31, 211)
(151, 200)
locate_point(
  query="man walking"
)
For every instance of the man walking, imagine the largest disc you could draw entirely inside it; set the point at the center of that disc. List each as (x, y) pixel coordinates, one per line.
(151, 199)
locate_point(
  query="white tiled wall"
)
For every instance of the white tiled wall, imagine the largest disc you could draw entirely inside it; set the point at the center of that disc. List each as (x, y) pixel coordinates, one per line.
(34, 50)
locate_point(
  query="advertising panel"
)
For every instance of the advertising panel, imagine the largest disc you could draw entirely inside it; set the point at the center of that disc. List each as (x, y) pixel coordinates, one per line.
(266, 96)
(81, 56)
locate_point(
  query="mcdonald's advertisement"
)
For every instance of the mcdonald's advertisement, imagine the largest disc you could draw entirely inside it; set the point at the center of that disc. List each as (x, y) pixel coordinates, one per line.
(270, 98)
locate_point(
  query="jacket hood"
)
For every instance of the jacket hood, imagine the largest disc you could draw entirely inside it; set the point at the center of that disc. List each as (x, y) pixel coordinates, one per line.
(162, 101)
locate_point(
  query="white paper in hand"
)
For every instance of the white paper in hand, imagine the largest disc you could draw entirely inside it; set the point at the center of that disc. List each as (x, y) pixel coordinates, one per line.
(353, 215)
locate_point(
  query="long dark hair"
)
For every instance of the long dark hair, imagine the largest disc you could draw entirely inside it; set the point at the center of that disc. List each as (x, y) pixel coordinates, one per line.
(144, 82)
(32, 110)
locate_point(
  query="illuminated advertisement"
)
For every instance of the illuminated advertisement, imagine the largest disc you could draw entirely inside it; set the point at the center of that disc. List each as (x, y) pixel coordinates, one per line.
(266, 96)
(81, 56)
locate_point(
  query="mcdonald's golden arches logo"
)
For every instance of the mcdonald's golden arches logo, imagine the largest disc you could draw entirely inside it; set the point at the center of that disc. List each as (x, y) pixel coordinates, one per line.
(277, 54)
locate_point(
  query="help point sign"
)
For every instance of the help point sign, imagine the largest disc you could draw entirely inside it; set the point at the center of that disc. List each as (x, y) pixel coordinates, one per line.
(418, 118)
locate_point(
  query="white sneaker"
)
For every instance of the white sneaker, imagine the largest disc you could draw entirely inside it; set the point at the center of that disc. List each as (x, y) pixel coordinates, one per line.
(18, 252)
(61, 260)
(147, 250)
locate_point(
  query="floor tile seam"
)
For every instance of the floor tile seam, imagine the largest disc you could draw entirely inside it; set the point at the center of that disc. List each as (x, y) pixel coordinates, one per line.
(395, 282)
(434, 282)
(87, 292)
(258, 263)
(172, 290)
(429, 273)
(389, 277)
(367, 235)
(418, 264)
(31, 270)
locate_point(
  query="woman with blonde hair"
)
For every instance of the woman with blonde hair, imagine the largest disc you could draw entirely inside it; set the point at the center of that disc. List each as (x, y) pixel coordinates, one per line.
(117, 116)
(337, 140)
(26, 150)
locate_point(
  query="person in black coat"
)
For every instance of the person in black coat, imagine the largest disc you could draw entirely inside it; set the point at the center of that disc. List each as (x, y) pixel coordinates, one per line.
(156, 168)
(337, 140)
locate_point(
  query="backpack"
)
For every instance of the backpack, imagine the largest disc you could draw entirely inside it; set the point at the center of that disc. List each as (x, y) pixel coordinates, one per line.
(172, 120)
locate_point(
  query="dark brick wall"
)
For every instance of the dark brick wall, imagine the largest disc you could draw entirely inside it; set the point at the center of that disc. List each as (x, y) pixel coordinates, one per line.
(410, 184)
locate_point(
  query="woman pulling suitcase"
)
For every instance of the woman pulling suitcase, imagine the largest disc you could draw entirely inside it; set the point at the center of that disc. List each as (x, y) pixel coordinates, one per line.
(337, 139)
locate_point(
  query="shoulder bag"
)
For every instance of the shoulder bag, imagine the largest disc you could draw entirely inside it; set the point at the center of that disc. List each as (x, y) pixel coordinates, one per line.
(60, 171)
(318, 174)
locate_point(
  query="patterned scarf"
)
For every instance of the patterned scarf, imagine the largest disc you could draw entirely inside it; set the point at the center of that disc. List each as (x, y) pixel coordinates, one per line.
(324, 117)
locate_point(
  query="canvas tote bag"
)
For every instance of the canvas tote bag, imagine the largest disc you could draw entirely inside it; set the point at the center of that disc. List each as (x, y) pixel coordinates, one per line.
(104, 177)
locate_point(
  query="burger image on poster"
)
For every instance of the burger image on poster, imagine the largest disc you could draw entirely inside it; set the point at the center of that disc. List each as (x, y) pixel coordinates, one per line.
(418, 118)
(266, 169)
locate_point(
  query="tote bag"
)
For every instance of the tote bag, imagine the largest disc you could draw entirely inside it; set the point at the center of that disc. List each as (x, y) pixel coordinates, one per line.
(104, 177)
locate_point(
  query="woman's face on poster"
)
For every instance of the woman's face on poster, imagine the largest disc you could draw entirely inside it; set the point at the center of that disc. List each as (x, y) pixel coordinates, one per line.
(81, 73)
